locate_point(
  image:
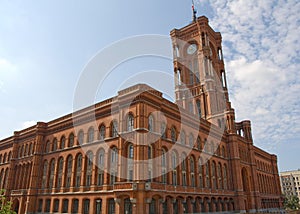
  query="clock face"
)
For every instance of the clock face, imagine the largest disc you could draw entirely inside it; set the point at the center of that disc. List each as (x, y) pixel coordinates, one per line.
(191, 49)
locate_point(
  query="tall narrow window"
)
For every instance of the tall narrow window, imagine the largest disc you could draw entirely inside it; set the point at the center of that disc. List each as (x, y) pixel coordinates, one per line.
(163, 130)
(173, 134)
(151, 123)
(71, 140)
(62, 142)
(52, 169)
(113, 165)
(164, 166)
(200, 172)
(130, 122)
(45, 169)
(65, 206)
(213, 174)
(114, 128)
(174, 167)
(198, 103)
(130, 162)
(60, 171)
(102, 132)
(55, 144)
(75, 205)
(78, 170)
(69, 170)
(101, 167)
(225, 177)
(219, 176)
(183, 169)
(80, 137)
(150, 167)
(191, 140)
(86, 206)
(182, 137)
(192, 171)
(207, 174)
(89, 168)
(90, 135)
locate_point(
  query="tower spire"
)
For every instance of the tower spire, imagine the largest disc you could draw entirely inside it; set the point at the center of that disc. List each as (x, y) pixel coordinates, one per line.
(194, 11)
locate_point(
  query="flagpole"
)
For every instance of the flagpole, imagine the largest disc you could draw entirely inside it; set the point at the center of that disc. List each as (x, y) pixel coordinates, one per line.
(194, 11)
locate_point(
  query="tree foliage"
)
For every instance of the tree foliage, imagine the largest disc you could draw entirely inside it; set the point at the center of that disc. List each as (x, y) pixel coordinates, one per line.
(291, 202)
(5, 205)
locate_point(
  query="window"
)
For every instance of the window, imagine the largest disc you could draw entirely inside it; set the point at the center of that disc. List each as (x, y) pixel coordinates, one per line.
(198, 104)
(114, 129)
(47, 206)
(191, 140)
(199, 146)
(90, 135)
(164, 166)
(183, 169)
(71, 140)
(55, 205)
(86, 206)
(75, 206)
(78, 170)
(101, 167)
(151, 123)
(213, 173)
(163, 130)
(65, 206)
(69, 170)
(173, 134)
(111, 206)
(219, 176)
(191, 107)
(80, 137)
(45, 169)
(62, 142)
(102, 132)
(130, 162)
(40, 206)
(200, 172)
(192, 171)
(55, 144)
(113, 165)
(130, 122)
(225, 177)
(98, 206)
(182, 137)
(174, 167)
(207, 175)
(150, 156)
(52, 168)
(60, 171)
(89, 168)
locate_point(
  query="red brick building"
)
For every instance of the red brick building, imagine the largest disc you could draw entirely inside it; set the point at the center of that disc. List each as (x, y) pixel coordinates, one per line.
(140, 153)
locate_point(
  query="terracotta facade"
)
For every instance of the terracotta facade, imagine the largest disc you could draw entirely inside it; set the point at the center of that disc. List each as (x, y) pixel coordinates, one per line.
(140, 153)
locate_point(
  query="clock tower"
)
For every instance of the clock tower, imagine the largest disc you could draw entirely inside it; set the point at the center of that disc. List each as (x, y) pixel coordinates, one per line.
(199, 73)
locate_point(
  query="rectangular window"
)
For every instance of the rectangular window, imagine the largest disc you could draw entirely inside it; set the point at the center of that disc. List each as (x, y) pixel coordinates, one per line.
(47, 207)
(40, 207)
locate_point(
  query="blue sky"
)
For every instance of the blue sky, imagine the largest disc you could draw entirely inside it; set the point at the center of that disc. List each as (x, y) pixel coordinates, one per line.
(44, 46)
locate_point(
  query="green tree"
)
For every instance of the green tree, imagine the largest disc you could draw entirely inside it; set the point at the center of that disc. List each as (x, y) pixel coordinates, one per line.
(5, 206)
(291, 202)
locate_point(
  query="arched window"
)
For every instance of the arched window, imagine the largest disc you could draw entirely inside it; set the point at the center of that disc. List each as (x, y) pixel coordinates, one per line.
(101, 159)
(75, 204)
(191, 140)
(130, 162)
(192, 171)
(78, 170)
(182, 137)
(200, 172)
(223, 153)
(62, 142)
(9, 155)
(45, 170)
(213, 174)
(198, 104)
(71, 140)
(173, 134)
(113, 165)
(174, 167)
(114, 128)
(51, 170)
(69, 170)
(191, 107)
(65, 206)
(31, 149)
(150, 166)
(25, 152)
(80, 137)
(1, 156)
(102, 132)
(151, 123)
(164, 166)
(47, 147)
(89, 168)
(4, 157)
(183, 169)
(163, 130)
(219, 175)
(199, 146)
(225, 177)
(207, 174)
(91, 132)
(60, 172)
(130, 122)
(86, 206)
(54, 145)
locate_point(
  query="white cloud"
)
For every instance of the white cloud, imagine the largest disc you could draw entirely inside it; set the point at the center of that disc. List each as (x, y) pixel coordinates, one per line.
(28, 124)
(261, 45)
